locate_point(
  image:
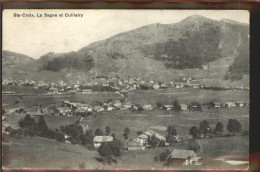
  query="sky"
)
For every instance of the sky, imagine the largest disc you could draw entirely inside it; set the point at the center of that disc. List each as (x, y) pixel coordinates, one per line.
(36, 36)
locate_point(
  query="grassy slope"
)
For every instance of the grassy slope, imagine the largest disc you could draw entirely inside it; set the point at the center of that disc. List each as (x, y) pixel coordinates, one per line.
(31, 153)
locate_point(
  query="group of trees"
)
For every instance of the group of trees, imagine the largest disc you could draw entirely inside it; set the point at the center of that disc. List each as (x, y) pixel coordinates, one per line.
(70, 60)
(194, 49)
(204, 129)
(171, 134)
(110, 151)
(28, 127)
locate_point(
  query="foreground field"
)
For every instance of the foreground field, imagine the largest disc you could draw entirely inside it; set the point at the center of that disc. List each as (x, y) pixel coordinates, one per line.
(31, 153)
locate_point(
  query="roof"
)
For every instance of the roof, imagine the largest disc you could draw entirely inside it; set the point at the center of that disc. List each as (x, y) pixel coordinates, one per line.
(151, 133)
(168, 106)
(103, 139)
(62, 108)
(182, 154)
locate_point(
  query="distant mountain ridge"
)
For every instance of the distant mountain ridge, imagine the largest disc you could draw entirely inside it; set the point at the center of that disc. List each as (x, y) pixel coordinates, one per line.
(11, 58)
(188, 44)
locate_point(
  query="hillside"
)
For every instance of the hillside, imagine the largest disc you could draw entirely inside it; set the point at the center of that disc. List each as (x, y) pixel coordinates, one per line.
(156, 50)
(11, 58)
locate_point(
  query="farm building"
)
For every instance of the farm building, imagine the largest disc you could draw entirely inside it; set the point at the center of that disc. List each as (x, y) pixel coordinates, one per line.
(182, 157)
(117, 104)
(62, 111)
(184, 107)
(110, 108)
(145, 136)
(240, 104)
(88, 91)
(134, 146)
(167, 107)
(148, 107)
(216, 104)
(156, 86)
(195, 108)
(98, 109)
(230, 104)
(98, 140)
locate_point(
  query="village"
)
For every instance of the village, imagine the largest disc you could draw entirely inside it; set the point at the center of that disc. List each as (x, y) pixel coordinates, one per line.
(105, 84)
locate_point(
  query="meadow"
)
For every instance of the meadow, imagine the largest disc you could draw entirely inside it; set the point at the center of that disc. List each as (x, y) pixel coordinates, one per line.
(31, 152)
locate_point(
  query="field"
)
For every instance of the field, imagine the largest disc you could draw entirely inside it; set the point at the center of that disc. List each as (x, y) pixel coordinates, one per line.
(166, 96)
(62, 155)
(182, 121)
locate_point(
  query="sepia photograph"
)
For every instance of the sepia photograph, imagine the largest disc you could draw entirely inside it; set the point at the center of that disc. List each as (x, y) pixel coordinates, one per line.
(125, 89)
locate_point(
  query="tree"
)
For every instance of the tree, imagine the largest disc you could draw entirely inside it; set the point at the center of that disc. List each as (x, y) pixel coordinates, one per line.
(154, 141)
(99, 132)
(176, 105)
(233, 126)
(219, 127)
(126, 133)
(204, 127)
(88, 139)
(117, 147)
(42, 126)
(194, 146)
(27, 122)
(108, 130)
(171, 130)
(162, 157)
(159, 104)
(194, 131)
(172, 133)
(139, 133)
(195, 106)
(110, 151)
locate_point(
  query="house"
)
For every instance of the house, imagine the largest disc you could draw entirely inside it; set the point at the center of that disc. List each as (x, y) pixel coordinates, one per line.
(62, 110)
(163, 85)
(80, 112)
(179, 85)
(126, 106)
(76, 86)
(8, 92)
(87, 91)
(156, 86)
(98, 109)
(84, 107)
(216, 104)
(240, 104)
(230, 104)
(148, 107)
(117, 104)
(53, 90)
(110, 108)
(182, 157)
(167, 107)
(152, 81)
(134, 107)
(98, 140)
(105, 84)
(134, 146)
(184, 107)
(145, 136)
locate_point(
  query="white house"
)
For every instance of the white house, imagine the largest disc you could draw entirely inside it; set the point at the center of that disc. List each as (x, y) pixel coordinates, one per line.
(87, 91)
(98, 140)
(184, 107)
